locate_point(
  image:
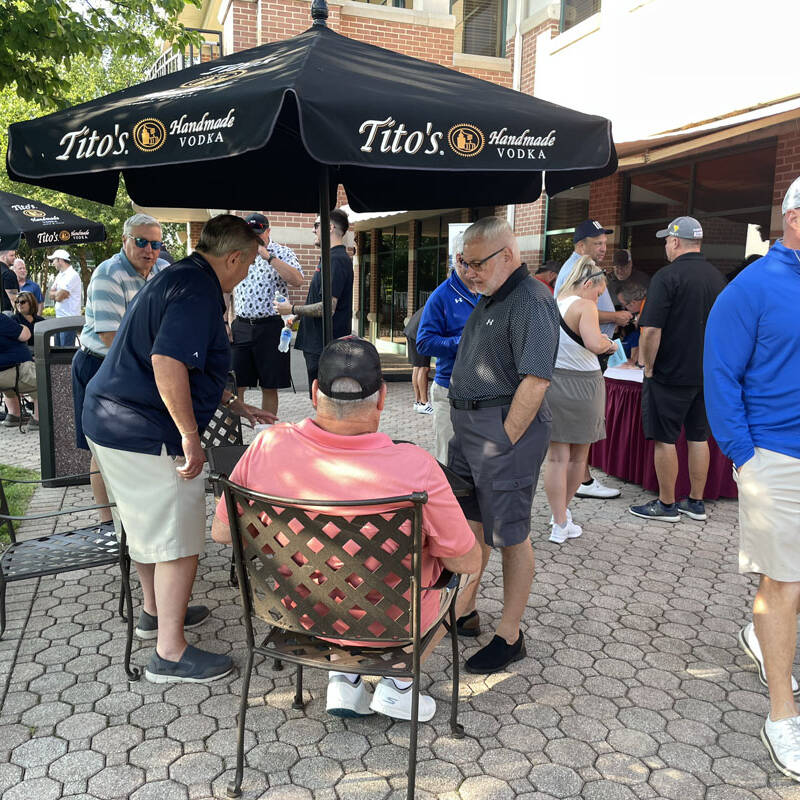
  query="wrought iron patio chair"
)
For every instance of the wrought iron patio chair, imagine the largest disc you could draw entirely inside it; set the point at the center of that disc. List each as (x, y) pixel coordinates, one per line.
(351, 570)
(89, 546)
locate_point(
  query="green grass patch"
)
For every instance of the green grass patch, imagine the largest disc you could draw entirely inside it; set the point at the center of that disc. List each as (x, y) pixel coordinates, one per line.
(17, 494)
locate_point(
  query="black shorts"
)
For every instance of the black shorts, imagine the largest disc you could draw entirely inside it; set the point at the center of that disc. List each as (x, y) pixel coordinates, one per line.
(504, 475)
(255, 357)
(666, 409)
(414, 358)
(84, 368)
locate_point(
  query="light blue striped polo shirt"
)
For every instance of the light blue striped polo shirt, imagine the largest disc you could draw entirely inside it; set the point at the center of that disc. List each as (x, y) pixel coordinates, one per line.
(113, 286)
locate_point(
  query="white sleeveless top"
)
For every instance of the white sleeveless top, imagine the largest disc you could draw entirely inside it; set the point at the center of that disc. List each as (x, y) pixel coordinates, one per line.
(570, 354)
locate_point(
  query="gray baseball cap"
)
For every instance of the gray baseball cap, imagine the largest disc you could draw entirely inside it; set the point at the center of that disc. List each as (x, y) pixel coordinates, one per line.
(683, 228)
(792, 197)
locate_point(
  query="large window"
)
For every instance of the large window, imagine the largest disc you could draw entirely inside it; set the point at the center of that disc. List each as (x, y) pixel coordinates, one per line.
(480, 26)
(731, 196)
(575, 11)
(432, 243)
(564, 212)
(364, 241)
(392, 282)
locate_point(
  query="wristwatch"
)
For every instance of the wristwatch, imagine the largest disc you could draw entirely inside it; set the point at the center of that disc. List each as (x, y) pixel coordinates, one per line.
(269, 258)
(230, 401)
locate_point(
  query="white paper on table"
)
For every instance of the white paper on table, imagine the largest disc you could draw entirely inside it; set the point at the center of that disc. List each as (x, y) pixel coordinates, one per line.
(632, 374)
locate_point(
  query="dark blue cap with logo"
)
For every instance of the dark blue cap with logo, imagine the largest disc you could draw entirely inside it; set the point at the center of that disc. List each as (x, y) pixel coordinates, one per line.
(588, 229)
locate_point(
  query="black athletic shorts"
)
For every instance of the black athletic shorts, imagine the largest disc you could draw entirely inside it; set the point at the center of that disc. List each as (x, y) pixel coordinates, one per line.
(414, 358)
(255, 357)
(666, 409)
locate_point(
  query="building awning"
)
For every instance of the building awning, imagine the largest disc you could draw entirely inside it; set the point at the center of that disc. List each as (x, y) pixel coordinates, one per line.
(368, 220)
(180, 214)
(670, 144)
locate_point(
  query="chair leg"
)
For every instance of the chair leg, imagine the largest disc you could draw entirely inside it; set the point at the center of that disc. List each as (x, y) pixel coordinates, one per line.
(235, 786)
(298, 690)
(412, 743)
(127, 568)
(277, 664)
(2, 607)
(456, 729)
(133, 673)
(233, 578)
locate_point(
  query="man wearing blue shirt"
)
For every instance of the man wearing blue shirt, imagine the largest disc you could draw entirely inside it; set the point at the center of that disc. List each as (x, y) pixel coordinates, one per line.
(17, 370)
(590, 239)
(143, 415)
(25, 282)
(443, 319)
(752, 393)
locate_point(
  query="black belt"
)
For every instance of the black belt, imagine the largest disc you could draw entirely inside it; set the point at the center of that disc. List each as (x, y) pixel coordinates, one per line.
(256, 320)
(469, 405)
(92, 353)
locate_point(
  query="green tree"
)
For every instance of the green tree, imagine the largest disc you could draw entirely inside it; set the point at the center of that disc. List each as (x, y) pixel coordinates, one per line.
(86, 79)
(42, 38)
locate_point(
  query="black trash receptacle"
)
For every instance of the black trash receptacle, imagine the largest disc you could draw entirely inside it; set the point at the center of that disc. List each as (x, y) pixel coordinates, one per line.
(59, 455)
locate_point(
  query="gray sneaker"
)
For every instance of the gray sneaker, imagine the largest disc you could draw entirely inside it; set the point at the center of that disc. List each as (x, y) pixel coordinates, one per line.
(147, 626)
(195, 666)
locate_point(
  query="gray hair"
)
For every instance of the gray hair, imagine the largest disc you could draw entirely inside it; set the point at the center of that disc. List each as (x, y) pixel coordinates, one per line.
(584, 269)
(225, 234)
(346, 409)
(488, 229)
(136, 220)
(631, 291)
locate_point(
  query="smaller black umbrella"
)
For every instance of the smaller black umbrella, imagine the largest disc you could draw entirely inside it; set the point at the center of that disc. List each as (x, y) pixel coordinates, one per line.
(41, 225)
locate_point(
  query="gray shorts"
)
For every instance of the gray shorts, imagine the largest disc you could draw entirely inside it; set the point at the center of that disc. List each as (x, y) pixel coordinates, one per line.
(504, 475)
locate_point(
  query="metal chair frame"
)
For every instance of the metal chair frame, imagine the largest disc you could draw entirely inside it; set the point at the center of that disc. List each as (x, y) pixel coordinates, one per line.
(65, 551)
(289, 583)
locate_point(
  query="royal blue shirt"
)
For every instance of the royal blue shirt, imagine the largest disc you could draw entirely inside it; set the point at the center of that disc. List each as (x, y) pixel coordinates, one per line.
(752, 359)
(12, 350)
(179, 314)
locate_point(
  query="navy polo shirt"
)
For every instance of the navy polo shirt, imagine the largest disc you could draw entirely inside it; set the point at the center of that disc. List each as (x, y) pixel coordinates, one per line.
(12, 350)
(179, 313)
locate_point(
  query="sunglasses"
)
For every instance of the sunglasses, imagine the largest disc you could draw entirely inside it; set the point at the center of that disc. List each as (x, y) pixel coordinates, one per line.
(476, 265)
(21, 302)
(140, 241)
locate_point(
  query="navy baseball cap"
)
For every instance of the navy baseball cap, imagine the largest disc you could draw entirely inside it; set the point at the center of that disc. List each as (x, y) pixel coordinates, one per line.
(588, 229)
(258, 222)
(350, 357)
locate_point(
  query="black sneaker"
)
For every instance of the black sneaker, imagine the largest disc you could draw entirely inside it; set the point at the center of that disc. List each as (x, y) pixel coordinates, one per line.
(694, 509)
(655, 509)
(496, 656)
(195, 666)
(147, 626)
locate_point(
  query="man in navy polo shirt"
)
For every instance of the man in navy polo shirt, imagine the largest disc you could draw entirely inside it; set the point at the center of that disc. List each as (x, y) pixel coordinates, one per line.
(143, 413)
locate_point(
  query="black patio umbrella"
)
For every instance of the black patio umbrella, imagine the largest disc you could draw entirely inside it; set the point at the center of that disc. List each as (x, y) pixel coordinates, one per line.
(42, 225)
(281, 125)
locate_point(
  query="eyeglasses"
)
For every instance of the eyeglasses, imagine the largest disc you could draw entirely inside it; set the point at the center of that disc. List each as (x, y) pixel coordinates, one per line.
(475, 266)
(140, 241)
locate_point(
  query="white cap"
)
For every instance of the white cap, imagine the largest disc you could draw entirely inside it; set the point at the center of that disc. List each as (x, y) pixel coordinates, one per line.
(59, 254)
(792, 197)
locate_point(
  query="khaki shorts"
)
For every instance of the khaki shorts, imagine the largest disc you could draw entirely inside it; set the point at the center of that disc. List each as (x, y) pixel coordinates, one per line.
(164, 515)
(769, 515)
(27, 379)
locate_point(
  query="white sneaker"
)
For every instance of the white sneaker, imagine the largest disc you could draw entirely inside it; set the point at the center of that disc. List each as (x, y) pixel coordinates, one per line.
(347, 699)
(573, 530)
(423, 408)
(559, 533)
(782, 740)
(749, 643)
(596, 489)
(569, 517)
(396, 703)
(417, 406)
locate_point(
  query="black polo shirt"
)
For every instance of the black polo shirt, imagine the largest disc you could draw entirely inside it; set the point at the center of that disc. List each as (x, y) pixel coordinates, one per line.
(510, 334)
(178, 313)
(309, 335)
(8, 280)
(678, 302)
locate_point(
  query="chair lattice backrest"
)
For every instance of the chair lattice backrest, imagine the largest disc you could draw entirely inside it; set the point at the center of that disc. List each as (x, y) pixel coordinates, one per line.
(349, 575)
(224, 428)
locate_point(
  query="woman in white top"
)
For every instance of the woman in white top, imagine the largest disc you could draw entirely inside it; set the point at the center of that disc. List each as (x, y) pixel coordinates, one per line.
(576, 394)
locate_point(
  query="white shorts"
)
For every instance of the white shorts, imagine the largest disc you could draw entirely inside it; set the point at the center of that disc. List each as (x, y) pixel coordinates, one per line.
(769, 515)
(164, 515)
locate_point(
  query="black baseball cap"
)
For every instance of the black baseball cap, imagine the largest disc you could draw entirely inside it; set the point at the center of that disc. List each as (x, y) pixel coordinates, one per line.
(350, 357)
(258, 222)
(589, 228)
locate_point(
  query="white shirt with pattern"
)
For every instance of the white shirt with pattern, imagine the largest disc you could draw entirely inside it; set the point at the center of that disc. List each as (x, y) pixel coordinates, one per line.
(255, 296)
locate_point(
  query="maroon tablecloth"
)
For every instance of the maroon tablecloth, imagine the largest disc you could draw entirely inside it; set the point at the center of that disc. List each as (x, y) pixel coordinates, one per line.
(626, 454)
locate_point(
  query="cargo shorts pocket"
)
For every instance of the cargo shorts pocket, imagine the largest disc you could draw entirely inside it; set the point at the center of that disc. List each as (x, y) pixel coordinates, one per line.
(511, 498)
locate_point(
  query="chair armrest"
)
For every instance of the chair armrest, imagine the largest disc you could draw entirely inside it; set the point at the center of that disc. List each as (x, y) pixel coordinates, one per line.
(50, 514)
(57, 478)
(443, 581)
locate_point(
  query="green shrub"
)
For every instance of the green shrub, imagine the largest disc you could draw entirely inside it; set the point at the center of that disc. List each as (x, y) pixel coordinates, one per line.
(17, 494)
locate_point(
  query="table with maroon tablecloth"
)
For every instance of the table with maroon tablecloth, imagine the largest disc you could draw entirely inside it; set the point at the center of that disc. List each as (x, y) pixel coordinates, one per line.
(626, 454)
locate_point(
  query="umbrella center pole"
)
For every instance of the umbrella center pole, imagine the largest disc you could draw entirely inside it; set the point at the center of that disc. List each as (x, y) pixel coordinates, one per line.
(325, 251)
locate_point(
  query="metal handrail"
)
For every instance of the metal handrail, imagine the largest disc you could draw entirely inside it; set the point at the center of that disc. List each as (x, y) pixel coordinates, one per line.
(170, 61)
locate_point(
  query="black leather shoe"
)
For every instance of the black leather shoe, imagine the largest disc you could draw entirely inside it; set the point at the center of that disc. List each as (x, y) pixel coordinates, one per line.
(496, 656)
(469, 625)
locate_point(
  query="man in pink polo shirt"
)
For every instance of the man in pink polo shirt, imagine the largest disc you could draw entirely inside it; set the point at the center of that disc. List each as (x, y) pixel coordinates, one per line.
(341, 456)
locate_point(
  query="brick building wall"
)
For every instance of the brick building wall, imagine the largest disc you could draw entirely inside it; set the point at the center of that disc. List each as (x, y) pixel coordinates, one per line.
(787, 168)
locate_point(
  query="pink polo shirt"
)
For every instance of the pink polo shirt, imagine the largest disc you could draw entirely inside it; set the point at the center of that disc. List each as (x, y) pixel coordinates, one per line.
(305, 461)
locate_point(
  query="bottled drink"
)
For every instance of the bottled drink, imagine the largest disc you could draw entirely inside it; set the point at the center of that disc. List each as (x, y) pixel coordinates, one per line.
(285, 341)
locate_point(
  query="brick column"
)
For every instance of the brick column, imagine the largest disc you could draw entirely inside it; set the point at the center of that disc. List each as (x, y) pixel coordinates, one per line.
(605, 205)
(787, 168)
